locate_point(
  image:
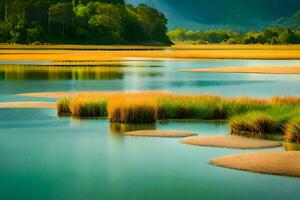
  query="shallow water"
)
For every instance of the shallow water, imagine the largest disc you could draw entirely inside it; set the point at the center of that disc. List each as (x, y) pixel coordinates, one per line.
(46, 157)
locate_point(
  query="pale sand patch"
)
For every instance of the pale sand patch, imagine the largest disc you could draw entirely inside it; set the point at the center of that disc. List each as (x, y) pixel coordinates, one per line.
(276, 163)
(234, 142)
(254, 70)
(52, 95)
(27, 105)
(159, 133)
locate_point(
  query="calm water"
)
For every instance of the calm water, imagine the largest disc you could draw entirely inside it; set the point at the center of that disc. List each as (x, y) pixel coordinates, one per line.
(46, 157)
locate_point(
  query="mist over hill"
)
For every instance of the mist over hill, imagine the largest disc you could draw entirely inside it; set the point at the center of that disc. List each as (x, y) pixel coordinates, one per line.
(236, 14)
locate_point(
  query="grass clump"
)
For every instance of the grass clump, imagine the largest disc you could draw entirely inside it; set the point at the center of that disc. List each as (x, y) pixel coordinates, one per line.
(82, 108)
(63, 106)
(132, 110)
(253, 124)
(292, 131)
(188, 107)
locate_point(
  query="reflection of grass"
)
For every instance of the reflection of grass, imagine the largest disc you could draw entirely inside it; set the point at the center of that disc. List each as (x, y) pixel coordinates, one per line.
(61, 72)
(117, 128)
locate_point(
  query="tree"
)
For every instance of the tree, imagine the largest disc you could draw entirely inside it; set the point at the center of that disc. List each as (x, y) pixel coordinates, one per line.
(61, 14)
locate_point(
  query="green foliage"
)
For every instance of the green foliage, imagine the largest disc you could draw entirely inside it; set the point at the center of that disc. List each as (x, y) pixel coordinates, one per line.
(268, 36)
(81, 21)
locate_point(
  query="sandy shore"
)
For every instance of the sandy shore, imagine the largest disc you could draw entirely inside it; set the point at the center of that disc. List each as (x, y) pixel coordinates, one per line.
(27, 105)
(255, 70)
(277, 163)
(234, 142)
(157, 133)
(184, 52)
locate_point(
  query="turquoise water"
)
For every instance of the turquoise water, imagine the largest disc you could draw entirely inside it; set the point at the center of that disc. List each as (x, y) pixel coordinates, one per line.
(43, 156)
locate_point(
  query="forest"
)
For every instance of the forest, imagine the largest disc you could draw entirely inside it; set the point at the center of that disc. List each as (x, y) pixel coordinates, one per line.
(81, 22)
(267, 36)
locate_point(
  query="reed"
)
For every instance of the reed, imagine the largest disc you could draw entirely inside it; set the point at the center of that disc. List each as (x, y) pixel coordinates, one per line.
(129, 109)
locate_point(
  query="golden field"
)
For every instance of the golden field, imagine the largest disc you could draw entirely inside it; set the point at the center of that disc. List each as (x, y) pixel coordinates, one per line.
(73, 53)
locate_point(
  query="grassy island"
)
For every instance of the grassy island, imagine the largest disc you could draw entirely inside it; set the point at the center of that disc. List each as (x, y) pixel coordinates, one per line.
(246, 116)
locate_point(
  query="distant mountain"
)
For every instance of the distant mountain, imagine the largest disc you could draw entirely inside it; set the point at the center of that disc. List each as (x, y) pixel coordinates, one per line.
(236, 14)
(289, 22)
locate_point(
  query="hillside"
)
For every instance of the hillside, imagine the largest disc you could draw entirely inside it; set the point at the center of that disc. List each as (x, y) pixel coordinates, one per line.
(237, 14)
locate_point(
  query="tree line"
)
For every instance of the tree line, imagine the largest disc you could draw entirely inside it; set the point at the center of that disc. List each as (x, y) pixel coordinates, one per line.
(81, 21)
(268, 36)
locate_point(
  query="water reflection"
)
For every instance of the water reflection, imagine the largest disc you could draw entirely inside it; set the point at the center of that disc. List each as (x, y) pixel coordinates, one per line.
(111, 72)
(118, 129)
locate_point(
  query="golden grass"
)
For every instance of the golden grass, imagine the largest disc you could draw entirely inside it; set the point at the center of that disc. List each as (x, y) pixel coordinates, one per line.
(27, 105)
(176, 52)
(254, 70)
(276, 163)
(234, 142)
(136, 107)
(159, 133)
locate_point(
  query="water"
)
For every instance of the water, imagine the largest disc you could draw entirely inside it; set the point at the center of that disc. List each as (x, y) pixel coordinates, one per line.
(43, 156)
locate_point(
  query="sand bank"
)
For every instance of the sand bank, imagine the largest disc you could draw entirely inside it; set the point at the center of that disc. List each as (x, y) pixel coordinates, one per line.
(277, 163)
(234, 142)
(27, 105)
(254, 70)
(159, 133)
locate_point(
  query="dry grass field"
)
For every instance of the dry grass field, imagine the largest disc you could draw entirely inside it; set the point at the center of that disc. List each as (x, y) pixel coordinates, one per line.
(77, 53)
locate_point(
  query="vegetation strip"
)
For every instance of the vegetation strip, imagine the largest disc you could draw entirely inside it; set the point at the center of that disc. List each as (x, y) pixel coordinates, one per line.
(246, 116)
(256, 70)
(197, 52)
(159, 133)
(27, 105)
(234, 142)
(277, 163)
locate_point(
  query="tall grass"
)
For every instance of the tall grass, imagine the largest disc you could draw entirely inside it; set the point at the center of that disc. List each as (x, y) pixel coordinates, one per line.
(270, 121)
(253, 124)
